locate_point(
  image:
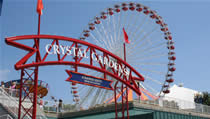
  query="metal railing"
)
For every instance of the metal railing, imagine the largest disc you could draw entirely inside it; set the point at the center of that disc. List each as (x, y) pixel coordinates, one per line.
(40, 113)
(167, 102)
(9, 102)
(14, 95)
(52, 107)
(174, 103)
(6, 116)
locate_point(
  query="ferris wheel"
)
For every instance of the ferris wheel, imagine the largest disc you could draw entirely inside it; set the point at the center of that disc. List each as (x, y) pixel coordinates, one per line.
(150, 51)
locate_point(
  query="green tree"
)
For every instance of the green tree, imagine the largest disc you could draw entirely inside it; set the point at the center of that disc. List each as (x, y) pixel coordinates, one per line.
(206, 98)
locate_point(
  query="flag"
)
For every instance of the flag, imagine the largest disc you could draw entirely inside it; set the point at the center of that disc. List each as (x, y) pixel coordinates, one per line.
(39, 7)
(125, 36)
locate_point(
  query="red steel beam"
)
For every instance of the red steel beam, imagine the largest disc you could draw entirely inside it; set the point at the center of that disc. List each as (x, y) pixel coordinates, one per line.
(12, 39)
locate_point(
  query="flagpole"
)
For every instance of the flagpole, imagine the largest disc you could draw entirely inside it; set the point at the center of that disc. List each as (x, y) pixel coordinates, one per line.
(39, 24)
(127, 106)
(126, 78)
(124, 52)
(36, 70)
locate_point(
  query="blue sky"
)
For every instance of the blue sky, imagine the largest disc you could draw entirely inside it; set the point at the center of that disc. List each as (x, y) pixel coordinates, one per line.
(189, 22)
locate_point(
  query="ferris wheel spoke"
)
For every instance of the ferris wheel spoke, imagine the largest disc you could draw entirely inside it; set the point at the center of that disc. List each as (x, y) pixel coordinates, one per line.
(141, 29)
(151, 49)
(90, 90)
(138, 28)
(149, 43)
(98, 101)
(95, 98)
(155, 81)
(156, 47)
(114, 30)
(143, 58)
(82, 88)
(144, 38)
(125, 19)
(110, 42)
(133, 26)
(106, 94)
(152, 63)
(84, 70)
(118, 28)
(143, 43)
(152, 90)
(120, 37)
(129, 28)
(101, 38)
(105, 38)
(153, 71)
(101, 94)
(98, 42)
(118, 50)
(84, 93)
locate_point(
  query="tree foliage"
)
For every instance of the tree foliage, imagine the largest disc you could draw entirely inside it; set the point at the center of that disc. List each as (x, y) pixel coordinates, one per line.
(203, 98)
(206, 98)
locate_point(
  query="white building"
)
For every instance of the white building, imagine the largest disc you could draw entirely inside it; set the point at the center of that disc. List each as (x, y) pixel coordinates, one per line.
(184, 97)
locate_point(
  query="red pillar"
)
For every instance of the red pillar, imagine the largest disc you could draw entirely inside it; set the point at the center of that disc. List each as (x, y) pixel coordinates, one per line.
(127, 106)
(20, 93)
(115, 99)
(36, 73)
(35, 93)
(122, 95)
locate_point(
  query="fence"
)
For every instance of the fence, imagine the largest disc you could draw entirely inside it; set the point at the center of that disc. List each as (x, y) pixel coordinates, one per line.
(6, 116)
(9, 102)
(167, 102)
(174, 103)
(52, 107)
(9, 98)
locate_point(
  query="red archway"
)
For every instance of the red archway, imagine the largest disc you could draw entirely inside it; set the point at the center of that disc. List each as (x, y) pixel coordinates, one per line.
(98, 58)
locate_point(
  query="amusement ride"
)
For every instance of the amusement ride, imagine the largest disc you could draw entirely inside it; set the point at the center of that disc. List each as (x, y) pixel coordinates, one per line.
(150, 51)
(126, 52)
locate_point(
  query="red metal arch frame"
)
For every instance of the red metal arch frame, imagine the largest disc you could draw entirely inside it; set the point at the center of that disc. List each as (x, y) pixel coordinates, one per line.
(41, 61)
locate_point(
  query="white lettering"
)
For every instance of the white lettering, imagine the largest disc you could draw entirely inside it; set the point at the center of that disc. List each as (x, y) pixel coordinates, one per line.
(85, 54)
(62, 49)
(126, 72)
(93, 58)
(79, 53)
(104, 60)
(100, 59)
(47, 48)
(56, 49)
(120, 69)
(74, 51)
(111, 63)
(68, 50)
